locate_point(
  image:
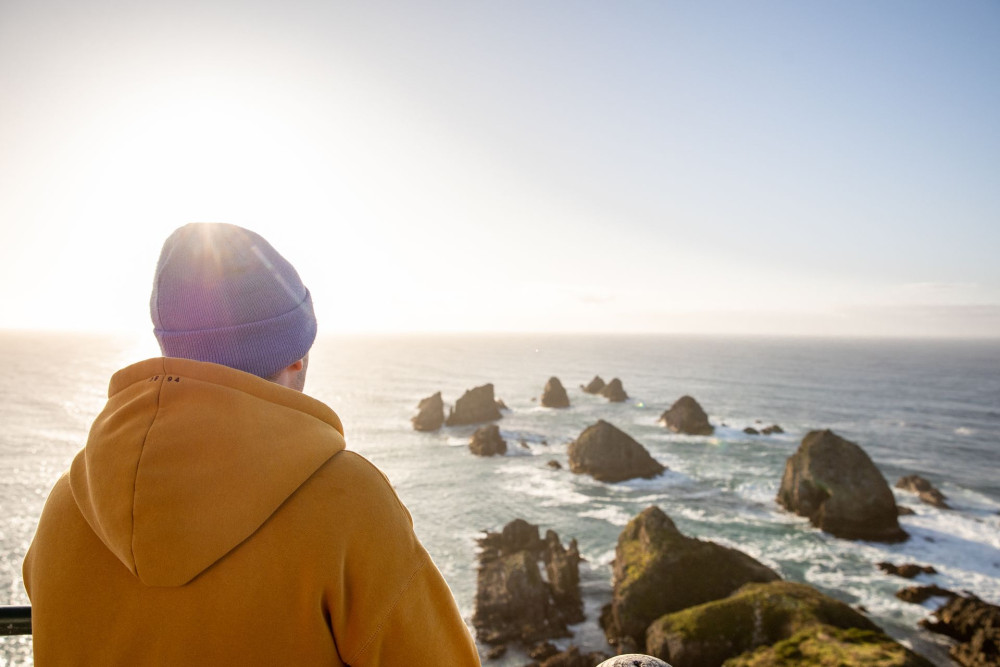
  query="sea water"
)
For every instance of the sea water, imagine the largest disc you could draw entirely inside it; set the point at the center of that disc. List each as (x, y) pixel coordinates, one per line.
(925, 407)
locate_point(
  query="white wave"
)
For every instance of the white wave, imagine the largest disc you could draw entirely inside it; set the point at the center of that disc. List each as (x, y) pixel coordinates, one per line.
(962, 430)
(614, 515)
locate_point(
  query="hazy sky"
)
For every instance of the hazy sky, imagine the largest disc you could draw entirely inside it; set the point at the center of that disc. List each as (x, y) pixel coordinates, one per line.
(722, 167)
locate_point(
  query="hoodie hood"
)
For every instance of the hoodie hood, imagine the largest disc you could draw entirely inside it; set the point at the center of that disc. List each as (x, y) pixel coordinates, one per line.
(188, 459)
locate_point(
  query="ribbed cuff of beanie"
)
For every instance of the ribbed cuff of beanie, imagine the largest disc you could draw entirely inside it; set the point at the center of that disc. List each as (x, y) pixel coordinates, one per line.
(261, 348)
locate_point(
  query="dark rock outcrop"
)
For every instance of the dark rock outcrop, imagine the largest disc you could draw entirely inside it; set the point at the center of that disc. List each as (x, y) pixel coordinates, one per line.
(554, 394)
(834, 483)
(542, 650)
(750, 430)
(757, 615)
(903, 510)
(975, 625)
(514, 602)
(476, 405)
(686, 416)
(594, 386)
(906, 570)
(610, 455)
(501, 405)
(486, 441)
(773, 428)
(430, 415)
(920, 594)
(657, 571)
(614, 391)
(926, 491)
(555, 465)
(572, 657)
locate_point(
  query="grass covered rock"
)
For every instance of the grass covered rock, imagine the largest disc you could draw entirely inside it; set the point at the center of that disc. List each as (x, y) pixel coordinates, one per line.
(658, 570)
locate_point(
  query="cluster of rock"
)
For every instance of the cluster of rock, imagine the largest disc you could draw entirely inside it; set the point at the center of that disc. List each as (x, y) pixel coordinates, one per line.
(687, 416)
(430, 413)
(514, 602)
(971, 622)
(614, 391)
(974, 624)
(476, 405)
(610, 455)
(926, 492)
(767, 430)
(692, 602)
(834, 483)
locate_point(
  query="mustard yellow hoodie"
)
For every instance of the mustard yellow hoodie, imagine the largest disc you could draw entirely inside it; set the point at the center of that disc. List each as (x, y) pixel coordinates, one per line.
(215, 518)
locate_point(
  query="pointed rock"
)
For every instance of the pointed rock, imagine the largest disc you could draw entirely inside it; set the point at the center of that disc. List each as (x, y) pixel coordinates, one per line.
(554, 395)
(614, 391)
(594, 386)
(430, 414)
(686, 416)
(476, 405)
(610, 455)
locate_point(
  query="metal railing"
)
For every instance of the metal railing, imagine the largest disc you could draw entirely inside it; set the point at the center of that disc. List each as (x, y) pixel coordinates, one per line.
(15, 621)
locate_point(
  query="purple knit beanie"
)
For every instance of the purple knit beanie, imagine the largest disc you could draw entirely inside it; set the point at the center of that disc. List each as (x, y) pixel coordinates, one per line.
(223, 294)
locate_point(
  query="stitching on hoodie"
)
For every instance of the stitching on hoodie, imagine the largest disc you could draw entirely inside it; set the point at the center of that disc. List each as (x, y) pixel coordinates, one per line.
(388, 612)
(135, 477)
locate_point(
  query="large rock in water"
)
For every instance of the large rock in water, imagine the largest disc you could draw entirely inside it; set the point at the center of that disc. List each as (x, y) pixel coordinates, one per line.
(486, 441)
(476, 406)
(614, 391)
(658, 571)
(594, 386)
(430, 414)
(754, 616)
(610, 455)
(926, 491)
(513, 601)
(686, 416)
(554, 395)
(834, 483)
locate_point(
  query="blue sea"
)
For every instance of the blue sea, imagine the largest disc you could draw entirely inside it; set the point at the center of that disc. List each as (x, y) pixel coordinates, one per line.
(916, 406)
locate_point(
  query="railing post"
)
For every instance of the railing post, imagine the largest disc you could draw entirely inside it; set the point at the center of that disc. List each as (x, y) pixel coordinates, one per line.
(15, 621)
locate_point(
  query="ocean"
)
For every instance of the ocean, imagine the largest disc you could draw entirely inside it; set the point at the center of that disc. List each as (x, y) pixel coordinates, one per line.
(915, 406)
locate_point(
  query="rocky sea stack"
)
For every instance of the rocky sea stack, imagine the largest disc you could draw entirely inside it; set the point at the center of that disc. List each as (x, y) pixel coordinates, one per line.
(554, 395)
(486, 441)
(658, 571)
(476, 406)
(614, 391)
(686, 416)
(594, 386)
(430, 415)
(832, 481)
(513, 600)
(610, 455)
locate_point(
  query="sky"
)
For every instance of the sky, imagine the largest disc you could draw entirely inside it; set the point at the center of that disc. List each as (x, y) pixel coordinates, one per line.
(737, 168)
